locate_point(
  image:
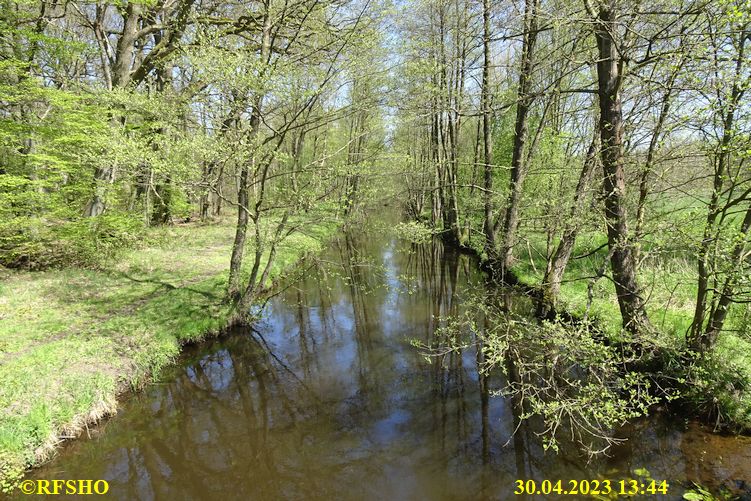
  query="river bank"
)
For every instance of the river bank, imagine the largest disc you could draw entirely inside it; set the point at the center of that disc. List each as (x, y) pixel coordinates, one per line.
(72, 340)
(715, 389)
(327, 396)
(88, 336)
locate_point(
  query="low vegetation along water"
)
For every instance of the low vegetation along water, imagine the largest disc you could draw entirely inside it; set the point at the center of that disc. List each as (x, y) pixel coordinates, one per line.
(327, 397)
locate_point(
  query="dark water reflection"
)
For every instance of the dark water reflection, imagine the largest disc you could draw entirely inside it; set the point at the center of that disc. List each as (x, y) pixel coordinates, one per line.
(328, 399)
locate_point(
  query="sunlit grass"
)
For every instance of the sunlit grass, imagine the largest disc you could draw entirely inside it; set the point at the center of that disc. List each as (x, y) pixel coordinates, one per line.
(667, 276)
(668, 282)
(72, 339)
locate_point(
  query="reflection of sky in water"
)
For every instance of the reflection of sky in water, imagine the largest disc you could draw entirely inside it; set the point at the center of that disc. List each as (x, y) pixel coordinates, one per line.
(328, 399)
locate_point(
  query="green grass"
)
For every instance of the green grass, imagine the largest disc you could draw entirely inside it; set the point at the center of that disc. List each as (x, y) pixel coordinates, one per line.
(668, 284)
(668, 281)
(73, 339)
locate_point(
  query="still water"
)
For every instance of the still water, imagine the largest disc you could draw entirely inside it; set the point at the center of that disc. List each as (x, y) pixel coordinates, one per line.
(328, 398)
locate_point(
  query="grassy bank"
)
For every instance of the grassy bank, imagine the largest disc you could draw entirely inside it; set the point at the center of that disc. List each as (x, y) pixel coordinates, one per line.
(72, 340)
(718, 386)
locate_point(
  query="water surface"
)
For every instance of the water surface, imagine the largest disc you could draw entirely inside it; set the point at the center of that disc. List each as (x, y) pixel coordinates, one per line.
(328, 398)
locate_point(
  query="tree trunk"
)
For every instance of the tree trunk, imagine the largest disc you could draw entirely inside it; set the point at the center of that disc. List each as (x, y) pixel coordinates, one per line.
(243, 198)
(720, 311)
(518, 165)
(355, 152)
(104, 176)
(622, 262)
(699, 338)
(218, 185)
(487, 137)
(436, 193)
(125, 51)
(256, 283)
(648, 164)
(162, 212)
(238, 246)
(557, 265)
(204, 202)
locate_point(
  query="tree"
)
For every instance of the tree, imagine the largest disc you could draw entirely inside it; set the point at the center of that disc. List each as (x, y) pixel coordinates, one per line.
(609, 84)
(722, 261)
(521, 130)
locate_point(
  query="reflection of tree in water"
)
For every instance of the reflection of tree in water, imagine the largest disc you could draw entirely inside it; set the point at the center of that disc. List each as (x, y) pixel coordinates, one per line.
(359, 286)
(277, 419)
(215, 417)
(350, 287)
(312, 300)
(245, 391)
(459, 380)
(444, 276)
(540, 366)
(303, 321)
(520, 431)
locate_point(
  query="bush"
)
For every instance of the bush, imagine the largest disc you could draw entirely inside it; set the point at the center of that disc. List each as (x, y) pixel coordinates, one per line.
(42, 242)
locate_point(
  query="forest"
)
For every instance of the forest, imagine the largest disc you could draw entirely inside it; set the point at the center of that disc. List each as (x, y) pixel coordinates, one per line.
(166, 164)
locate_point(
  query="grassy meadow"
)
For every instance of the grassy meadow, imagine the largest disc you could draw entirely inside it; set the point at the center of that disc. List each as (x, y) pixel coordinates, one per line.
(667, 274)
(73, 339)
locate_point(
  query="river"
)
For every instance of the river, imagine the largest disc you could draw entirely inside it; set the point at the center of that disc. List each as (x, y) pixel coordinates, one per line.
(327, 397)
